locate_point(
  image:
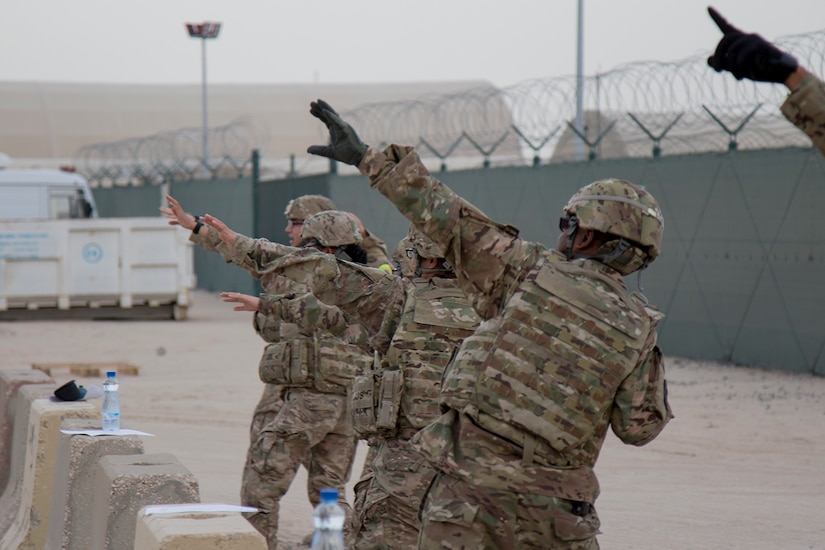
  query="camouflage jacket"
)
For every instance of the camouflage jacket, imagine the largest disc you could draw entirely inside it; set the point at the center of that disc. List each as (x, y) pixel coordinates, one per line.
(377, 254)
(805, 107)
(270, 328)
(414, 324)
(534, 372)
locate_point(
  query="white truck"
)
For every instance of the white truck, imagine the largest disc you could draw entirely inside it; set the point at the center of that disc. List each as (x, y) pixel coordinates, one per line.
(59, 259)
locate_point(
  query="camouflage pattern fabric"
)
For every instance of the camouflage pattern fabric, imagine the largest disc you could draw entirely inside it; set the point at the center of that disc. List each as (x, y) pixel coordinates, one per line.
(805, 108)
(377, 254)
(304, 206)
(310, 424)
(313, 428)
(459, 515)
(529, 394)
(393, 487)
(426, 320)
(331, 228)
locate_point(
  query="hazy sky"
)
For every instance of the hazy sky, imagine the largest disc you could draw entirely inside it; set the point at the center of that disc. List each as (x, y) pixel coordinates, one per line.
(305, 41)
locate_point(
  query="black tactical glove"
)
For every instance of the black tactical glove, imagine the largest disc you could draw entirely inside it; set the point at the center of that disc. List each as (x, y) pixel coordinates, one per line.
(749, 55)
(344, 144)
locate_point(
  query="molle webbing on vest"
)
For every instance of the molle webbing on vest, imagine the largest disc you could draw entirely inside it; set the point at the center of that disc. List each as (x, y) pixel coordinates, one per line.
(436, 320)
(550, 365)
(324, 362)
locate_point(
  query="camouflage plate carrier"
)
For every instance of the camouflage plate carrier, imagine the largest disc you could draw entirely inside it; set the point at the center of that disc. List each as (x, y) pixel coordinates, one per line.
(436, 319)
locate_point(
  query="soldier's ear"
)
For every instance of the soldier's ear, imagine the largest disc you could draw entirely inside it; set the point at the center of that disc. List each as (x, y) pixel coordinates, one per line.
(585, 238)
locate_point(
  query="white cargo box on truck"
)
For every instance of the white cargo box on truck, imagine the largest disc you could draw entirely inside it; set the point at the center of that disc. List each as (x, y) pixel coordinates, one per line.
(39, 194)
(98, 268)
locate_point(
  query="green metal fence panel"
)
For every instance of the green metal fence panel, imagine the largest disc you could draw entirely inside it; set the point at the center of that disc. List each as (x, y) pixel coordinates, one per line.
(743, 263)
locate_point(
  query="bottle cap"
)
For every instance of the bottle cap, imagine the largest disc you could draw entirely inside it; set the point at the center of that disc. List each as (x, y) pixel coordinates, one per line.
(329, 495)
(110, 374)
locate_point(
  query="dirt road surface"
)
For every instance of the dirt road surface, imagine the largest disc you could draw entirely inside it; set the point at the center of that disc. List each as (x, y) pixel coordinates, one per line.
(742, 466)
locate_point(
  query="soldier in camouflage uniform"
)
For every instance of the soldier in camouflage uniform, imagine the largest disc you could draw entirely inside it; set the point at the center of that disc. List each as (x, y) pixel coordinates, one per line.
(391, 403)
(751, 56)
(306, 316)
(424, 319)
(316, 370)
(564, 352)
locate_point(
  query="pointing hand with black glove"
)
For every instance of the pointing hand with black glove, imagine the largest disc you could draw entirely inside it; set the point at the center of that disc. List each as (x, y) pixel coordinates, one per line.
(344, 144)
(749, 55)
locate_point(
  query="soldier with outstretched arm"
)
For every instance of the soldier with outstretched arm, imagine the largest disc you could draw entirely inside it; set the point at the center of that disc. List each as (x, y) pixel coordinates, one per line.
(424, 318)
(563, 352)
(752, 57)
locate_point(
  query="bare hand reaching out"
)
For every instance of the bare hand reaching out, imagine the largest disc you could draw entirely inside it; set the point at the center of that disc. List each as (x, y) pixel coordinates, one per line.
(247, 302)
(177, 215)
(224, 232)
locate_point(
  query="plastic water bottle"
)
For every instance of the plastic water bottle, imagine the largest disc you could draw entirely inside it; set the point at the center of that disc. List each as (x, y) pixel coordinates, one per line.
(111, 403)
(328, 518)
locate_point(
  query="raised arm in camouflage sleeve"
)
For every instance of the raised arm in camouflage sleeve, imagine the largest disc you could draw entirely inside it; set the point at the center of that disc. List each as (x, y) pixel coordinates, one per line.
(640, 408)
(370, 295)
(805, 108)
(487, 256)
(304, 310)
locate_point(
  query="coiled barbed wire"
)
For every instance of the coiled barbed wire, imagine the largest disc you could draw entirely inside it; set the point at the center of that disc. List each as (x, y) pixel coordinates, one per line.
(635, 110)
(174, 155)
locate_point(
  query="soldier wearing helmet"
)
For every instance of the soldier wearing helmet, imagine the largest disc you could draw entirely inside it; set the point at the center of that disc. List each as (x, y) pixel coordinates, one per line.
(564, 353)
(415, 324)
(334, 232)
(299, 209)
(312, 353)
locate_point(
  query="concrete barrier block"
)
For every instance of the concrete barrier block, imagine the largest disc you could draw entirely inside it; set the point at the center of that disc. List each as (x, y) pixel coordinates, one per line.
(29, 527)
(196, 531)
(70, 520)
(10, 382)
(125, 484)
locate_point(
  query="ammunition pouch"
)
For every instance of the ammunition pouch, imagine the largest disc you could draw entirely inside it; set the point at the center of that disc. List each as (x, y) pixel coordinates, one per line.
(376, 402)
(327, 364)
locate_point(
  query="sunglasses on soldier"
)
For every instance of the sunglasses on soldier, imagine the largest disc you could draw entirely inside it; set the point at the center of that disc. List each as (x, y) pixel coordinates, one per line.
(566, 223)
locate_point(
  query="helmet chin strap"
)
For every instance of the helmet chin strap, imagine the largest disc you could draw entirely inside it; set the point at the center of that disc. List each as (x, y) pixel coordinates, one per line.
(571, 235)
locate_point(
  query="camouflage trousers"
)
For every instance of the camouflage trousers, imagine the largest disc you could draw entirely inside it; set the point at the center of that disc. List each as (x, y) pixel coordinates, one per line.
(312, 428)
(388, 496)
(457, 515)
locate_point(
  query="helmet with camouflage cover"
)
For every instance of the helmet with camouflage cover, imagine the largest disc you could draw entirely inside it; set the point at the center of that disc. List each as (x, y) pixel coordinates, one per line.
(401, 262)
(425, 248)
(306, 205)
(330, 228)
(626, 211)
(423, 245)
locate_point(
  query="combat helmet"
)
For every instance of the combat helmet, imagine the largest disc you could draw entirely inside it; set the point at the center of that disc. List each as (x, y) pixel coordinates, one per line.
(400, 260)
(306, 205)
(626, 211)
(425, 247)
(330, 228)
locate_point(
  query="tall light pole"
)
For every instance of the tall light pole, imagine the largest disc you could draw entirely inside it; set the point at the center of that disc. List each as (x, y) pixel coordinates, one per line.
(578, 144)
(204, 31)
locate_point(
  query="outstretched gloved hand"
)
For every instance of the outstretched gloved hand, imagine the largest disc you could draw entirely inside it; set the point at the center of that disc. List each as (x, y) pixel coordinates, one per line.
(749, 55)
(344, 144)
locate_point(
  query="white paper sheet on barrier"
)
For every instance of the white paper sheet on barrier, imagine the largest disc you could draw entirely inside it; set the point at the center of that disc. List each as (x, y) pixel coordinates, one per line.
(187, 508)
(101, 432)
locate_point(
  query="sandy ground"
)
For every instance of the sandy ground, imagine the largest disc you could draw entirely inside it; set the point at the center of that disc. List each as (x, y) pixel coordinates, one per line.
(741, 466)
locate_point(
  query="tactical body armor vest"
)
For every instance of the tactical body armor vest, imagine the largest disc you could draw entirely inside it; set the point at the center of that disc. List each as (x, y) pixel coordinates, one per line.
(435, 320)
(545, 371)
